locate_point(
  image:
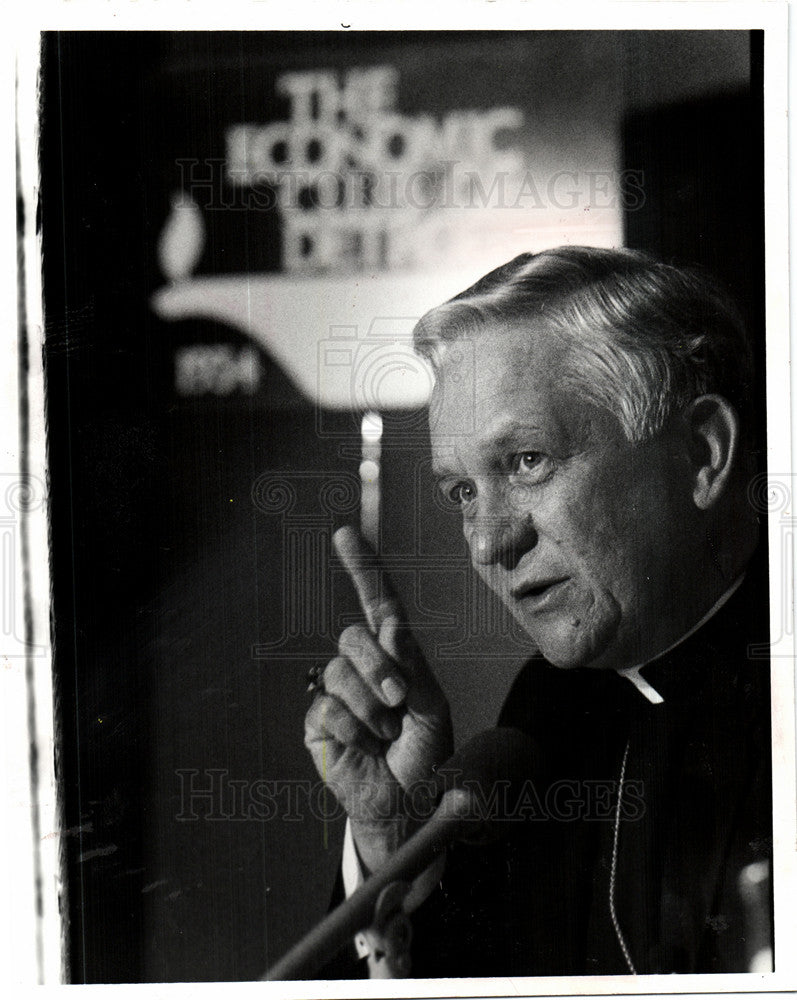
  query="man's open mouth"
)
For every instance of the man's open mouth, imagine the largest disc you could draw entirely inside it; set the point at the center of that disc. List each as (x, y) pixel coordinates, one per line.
(536, 590)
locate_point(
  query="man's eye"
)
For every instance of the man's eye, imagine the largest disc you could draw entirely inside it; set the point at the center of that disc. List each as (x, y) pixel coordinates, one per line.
(533, 463)
(461, 493)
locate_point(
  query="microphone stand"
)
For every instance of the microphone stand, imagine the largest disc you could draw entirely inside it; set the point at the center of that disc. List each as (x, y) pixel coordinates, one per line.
(376, 905)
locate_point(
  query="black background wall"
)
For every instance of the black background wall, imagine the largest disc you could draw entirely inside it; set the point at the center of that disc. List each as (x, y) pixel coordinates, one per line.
(170, 586)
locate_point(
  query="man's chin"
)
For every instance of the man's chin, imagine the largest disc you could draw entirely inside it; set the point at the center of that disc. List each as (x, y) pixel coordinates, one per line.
(566, 646)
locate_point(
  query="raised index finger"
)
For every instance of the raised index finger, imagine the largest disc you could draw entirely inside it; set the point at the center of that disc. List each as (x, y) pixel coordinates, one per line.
(377, 597)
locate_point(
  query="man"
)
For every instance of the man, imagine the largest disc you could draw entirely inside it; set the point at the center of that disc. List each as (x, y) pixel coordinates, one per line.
(592, 420)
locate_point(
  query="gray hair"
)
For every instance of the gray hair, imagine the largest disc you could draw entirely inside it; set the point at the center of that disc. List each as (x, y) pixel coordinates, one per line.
(645, 338)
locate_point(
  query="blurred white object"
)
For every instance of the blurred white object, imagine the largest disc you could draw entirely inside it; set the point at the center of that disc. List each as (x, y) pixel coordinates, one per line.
(182, 238)
(369, 477)
(346, 342)
(755, 889)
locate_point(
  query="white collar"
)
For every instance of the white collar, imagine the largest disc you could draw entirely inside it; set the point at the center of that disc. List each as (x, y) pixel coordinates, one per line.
(639, 682)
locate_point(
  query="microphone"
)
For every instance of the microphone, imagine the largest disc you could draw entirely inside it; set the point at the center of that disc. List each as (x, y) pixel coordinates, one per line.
(494, 762)
(470, 809)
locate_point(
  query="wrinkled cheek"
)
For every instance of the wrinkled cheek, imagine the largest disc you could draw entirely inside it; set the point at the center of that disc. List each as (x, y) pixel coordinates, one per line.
(592, 610)
(585, 611)
(603, 618)
(585, 630)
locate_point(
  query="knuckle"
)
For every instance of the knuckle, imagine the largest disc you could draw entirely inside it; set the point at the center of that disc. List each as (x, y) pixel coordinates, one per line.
(310, 740)
(344, 683)
(335, 673)
(348, 729)
(313, 720)
(389, 608)
(349, 640)
(355, 642)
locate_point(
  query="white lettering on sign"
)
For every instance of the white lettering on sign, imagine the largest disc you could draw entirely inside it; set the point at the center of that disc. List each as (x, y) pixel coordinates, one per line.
(346, 160)
(218, 369)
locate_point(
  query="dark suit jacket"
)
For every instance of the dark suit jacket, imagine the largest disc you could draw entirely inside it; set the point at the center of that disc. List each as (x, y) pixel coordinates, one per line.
(696, 810)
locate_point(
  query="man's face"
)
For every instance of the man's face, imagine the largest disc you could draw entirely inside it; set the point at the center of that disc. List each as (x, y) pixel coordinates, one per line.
(580, 532)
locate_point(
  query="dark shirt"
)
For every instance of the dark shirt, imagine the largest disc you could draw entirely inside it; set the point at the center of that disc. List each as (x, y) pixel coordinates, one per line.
(696, 809)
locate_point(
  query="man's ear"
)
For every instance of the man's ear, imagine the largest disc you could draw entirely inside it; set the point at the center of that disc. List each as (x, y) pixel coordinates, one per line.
(713, 428)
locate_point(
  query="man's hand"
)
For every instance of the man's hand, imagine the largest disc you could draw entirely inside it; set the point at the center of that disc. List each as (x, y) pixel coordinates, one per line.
(380, 722)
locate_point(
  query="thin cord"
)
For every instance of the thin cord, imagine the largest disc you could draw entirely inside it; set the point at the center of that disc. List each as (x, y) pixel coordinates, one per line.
(613, 877)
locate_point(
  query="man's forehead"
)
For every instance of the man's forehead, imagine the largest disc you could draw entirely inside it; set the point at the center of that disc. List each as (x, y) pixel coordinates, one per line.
(502, 344)
(479, 376)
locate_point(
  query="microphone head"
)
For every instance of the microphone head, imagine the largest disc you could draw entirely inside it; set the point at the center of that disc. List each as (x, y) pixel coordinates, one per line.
(483, 783)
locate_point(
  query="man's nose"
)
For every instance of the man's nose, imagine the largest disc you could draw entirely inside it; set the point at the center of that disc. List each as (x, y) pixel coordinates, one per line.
(501, 537)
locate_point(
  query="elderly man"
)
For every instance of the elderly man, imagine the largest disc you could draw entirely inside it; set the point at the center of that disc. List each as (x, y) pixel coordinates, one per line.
(592, 421)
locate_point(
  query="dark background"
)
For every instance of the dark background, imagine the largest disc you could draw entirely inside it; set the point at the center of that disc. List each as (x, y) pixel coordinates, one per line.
(166, 576)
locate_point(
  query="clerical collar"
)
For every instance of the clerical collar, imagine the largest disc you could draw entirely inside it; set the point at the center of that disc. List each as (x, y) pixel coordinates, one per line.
(633, 673)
